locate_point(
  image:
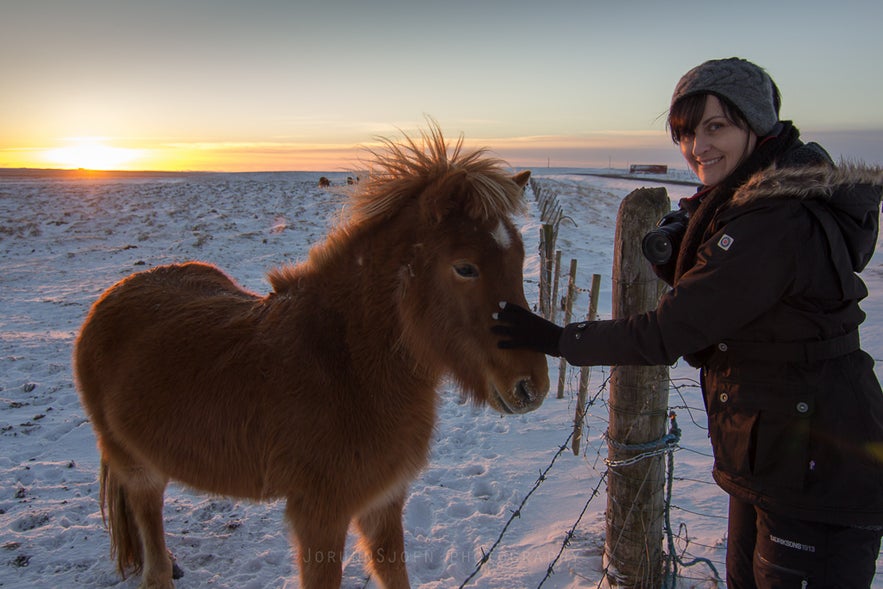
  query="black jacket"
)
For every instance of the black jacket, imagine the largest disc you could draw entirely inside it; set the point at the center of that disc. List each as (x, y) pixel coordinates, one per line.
(770, 312)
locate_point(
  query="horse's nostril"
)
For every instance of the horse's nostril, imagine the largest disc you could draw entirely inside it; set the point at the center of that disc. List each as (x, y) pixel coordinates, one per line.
(526, 391)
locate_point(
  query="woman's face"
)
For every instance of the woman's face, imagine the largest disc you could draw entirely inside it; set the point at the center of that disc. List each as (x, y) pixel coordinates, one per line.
(716, 146)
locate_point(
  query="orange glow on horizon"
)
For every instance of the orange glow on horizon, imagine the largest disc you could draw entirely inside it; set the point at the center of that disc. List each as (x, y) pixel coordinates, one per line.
(256, 157)
(103, 153)
(91, 153)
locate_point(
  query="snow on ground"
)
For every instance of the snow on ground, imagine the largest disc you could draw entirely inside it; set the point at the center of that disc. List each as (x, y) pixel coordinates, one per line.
(63, 240)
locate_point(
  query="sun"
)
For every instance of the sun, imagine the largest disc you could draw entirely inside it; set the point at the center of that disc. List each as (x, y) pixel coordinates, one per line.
(92, 153)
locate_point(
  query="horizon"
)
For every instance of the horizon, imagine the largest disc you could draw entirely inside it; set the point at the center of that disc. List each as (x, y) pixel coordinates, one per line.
(844, 146)
(275, 86)
(7, 172)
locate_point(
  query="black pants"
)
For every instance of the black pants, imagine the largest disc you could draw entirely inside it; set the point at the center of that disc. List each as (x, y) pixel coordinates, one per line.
(767, 551)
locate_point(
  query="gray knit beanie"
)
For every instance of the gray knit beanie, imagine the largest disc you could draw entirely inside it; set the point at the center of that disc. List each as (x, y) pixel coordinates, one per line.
(746, 85)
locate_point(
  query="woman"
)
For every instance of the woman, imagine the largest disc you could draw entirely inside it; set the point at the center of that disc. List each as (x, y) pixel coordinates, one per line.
(765, 302)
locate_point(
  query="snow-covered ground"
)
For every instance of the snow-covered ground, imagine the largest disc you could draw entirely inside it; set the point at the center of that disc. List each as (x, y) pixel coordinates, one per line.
(64, 240)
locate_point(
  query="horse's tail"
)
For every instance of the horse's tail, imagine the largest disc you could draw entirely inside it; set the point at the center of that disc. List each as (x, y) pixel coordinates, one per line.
(125, 541)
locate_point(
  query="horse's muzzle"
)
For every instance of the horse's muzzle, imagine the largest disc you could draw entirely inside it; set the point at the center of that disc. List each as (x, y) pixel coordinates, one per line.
(522, 399)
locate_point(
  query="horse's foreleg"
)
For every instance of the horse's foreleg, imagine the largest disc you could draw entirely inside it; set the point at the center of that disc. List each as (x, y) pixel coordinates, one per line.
(383, 543)
(320, 544)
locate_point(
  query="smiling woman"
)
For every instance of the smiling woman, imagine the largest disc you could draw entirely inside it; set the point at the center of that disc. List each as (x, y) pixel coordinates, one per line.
(91, 153)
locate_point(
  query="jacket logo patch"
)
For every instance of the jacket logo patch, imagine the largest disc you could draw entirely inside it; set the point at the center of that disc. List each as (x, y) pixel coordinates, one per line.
(725, 242)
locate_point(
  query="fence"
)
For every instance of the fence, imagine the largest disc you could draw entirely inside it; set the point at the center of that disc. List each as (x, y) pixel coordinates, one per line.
(688, 559)
(630, 461)
(679, 566)
(678, 557)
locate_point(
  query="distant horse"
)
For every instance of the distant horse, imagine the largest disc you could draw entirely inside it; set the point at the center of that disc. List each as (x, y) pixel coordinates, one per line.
(323, 391)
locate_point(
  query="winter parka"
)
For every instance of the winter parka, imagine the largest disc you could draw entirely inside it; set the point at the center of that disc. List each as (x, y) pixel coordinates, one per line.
(770, 312)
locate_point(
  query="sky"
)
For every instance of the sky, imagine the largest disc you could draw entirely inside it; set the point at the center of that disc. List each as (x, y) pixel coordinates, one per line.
(264, 85)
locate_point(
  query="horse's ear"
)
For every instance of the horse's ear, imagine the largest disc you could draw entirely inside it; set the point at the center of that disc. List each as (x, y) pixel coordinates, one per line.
(521, 178)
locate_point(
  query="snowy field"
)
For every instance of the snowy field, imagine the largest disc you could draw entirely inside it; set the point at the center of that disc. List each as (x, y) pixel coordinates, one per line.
(64, 240)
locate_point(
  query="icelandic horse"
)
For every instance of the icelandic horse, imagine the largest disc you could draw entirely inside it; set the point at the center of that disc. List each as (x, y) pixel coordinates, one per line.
(322, 392)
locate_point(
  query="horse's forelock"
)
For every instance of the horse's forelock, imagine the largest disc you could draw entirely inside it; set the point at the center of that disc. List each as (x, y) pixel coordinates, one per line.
(447, 180)
(475, 183)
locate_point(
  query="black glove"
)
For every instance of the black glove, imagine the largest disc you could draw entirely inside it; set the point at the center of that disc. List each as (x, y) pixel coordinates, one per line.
(520, 328)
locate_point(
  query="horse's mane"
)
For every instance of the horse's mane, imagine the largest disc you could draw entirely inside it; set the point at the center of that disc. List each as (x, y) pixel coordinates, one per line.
(471, 183)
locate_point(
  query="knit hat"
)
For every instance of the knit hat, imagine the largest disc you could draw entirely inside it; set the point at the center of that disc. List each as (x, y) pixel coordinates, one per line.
(744, 84)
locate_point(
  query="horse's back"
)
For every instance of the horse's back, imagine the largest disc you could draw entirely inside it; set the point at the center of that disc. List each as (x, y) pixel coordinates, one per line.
(176, 298)
(163, 363)
(192, 279)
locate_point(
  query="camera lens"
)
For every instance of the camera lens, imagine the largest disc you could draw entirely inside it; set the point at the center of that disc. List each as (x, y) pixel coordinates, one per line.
(657, 247)
(660, 244)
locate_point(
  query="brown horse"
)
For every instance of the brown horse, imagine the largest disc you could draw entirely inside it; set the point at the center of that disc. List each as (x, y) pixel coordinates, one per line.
(323, 391)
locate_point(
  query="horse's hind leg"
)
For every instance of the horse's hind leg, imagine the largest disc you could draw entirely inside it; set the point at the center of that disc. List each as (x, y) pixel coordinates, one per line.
(383, 543)
(146, 496)
(320, 542)
(134, 496)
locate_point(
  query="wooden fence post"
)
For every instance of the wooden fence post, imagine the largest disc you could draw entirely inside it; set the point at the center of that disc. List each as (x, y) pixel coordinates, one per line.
(568, 312)
(544, 284)
(553, 297)
(585, 372)
(638, 411)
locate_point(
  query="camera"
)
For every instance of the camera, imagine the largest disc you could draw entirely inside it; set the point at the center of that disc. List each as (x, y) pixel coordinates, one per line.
(660, 244)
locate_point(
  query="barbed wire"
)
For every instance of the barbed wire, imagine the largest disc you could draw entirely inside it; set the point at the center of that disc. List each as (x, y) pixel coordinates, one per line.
(664, 445)
(569, 536)
(668, 444)
(540, 480)
(672, 559)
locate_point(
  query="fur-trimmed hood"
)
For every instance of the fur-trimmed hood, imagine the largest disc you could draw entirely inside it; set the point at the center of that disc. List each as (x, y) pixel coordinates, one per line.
(851, 192)
(817, 182)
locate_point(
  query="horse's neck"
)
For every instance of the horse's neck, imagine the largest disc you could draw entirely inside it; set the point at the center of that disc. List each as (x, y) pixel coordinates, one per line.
(361, 282)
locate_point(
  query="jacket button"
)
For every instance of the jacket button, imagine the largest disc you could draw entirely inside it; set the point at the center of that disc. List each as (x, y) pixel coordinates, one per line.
(724, 397)
(722, 347)
(802, 407)
(582, 325)
(577, 335)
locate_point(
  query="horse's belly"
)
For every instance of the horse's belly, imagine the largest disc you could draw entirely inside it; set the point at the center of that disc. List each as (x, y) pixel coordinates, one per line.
(215, 461)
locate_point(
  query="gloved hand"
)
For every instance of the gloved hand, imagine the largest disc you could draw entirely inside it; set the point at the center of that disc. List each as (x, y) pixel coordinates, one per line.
(520, 328)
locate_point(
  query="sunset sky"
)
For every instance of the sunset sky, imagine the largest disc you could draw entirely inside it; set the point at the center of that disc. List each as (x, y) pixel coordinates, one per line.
(300, 85)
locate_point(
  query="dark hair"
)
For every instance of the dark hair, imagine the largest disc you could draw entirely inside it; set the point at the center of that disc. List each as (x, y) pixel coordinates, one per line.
(686, 114)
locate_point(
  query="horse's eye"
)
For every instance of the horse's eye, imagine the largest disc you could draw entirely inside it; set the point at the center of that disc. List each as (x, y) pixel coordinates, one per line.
(466, 270)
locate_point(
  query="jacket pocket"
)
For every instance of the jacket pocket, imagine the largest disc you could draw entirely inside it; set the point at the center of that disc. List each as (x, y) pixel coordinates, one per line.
(761, 432)
(775, 575)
